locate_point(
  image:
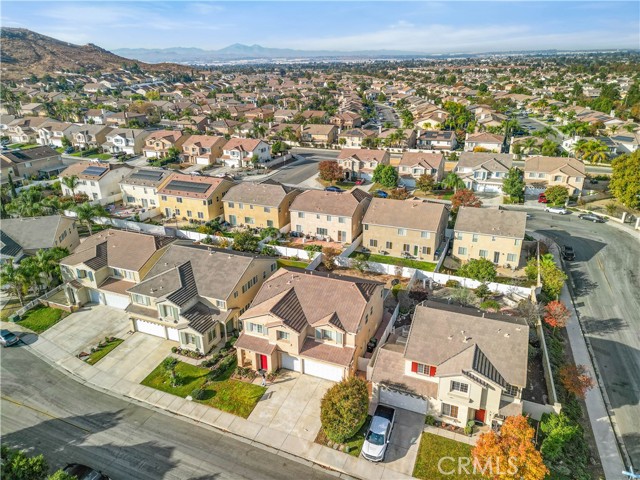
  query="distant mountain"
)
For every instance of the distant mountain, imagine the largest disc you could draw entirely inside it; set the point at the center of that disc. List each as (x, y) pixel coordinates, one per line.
(238, 51)
(25, 52)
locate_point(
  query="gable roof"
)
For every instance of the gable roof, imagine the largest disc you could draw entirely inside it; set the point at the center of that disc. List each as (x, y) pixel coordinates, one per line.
(33, 233)
(491, 221)
(145, 177)
(268, 194)
(551, 164)
(303, 298)
(30, 154)
(363, 154)
(485, 137)
(330, 203)
(83, 169)
(412, 214)
(494, 162)
(427, 160)
(194, 186)
(242, 144)
(458, 340)
(8, 246)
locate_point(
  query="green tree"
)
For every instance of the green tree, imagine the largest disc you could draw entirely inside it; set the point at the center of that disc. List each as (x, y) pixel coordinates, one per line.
(513, 184)
(479, 269)
(453, 181)
(71, 182)
(15, 279)
(16, 465)
(552, 277)
(556, 194)
(389, 176)
(343, 409)
(245, 242)
(425, 183)
(625, 179)
(549, 148)
(86, 212)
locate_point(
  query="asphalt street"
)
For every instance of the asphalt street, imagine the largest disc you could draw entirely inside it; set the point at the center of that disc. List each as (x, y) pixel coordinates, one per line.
(605, 281)
(304, 169)
(388, 114)
(46, 412)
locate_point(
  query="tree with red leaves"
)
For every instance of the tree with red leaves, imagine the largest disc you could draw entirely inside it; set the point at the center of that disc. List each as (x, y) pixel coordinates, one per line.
(576, 380)
(556, 314)
(464, 198)
(330, 171)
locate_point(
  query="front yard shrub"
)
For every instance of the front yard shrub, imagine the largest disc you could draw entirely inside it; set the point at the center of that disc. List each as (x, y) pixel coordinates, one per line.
(482, 291)
(479, 269)
(452, 284)
(430, 420)
(395, 290)
(198, 394)
(490, 305)
(344, 408)
(312, 248)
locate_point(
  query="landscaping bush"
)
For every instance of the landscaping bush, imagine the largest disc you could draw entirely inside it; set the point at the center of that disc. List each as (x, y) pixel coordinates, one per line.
(198, 394)
(174, 349)
(312, 248)
(222, 368)
(479, 269)
(343, 409)
(490, 305)
(430, 420)
(452, 284)
(395, 290)
(482, 291)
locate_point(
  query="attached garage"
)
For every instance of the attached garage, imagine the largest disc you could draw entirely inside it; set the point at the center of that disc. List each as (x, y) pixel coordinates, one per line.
(94, 296)
(323, 370)
(290, 363)
(115, 300)
(396, 398)
(151, 328)
(173, 334)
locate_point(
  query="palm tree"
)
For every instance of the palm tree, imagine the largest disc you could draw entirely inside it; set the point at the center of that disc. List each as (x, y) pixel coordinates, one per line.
(86, 212)
(13, 278)
(47, 263)
(579, 148)
(529, 144)
(71, 182)
(595, 151)
(613, 129)
(452, 180)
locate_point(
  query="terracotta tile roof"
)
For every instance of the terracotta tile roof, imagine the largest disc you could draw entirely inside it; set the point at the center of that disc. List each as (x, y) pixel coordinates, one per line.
(202, 141)
(268, 194)
(169, 135)
(327, 353)
(242, 144)
(363, 154)
(491, 221)
(485, 137)
(413, 214)
(494, 162)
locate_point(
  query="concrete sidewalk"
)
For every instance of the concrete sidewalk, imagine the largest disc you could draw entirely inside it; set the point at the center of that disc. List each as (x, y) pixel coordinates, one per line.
(289, 445)
(601, 423)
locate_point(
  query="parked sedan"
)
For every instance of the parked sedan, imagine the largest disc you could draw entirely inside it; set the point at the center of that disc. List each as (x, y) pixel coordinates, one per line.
(377, 437)
(560, 210)
(542, 198)
(82, 472)
(591, 217)
(568, 253)
(8, 338)
(333, 188)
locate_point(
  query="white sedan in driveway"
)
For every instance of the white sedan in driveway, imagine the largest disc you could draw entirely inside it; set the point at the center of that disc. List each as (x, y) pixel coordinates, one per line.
(560, 210)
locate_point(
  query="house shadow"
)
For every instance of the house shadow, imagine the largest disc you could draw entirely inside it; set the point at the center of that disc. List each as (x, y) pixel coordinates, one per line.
(604, 326)
(585, 248)
(26, 338)
(581, 283)
(68, 440)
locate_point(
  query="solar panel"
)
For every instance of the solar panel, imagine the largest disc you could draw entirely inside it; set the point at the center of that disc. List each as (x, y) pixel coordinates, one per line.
(97, 171)
(149, 175)
(188, 186)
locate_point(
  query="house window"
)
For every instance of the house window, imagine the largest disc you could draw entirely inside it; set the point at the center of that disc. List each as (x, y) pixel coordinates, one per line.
(425, 234)
(426, 250)
(248, 220)
(179, 199)
(459, 387)
(341, 220)
(449, 410)
(299, 228)
(474, 238)
(282, 335)
(200, 215)
(210, 201)
(366, 226)
(516, 241)
(81, 273)
(321, 231)
(373, 242)
(189, 338)
(269, 223)
(189, 214)
(220, 303)
(322, 334)
(177, 212)
(462, 250)
(458, 236)
(402, 232)
(140, 299)
(511, 257)
(230, 204)
(512, 391)
(484, 253)
(389, 245)
(423, 369)
(211, 335)
(557, 178)
(167, 311)
(493, 239)
(90, 274)
(406, 247)
(300, 214)
(532, 175)
(267, 210)
(256, 328)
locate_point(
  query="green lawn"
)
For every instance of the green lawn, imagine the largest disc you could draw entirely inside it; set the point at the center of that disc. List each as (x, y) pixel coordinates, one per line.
(100, 156)
(404, 262)
(23, 146)
(354, 443)
(41, 318)
(98, 355)
(286, 262)
(233, 396)
(432, 449)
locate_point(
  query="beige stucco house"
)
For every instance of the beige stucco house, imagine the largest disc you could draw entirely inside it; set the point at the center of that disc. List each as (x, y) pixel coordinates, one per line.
(541, 172)
(415, 164)
(260, 205)
(140, 187)
(483, 141)
(361, 162)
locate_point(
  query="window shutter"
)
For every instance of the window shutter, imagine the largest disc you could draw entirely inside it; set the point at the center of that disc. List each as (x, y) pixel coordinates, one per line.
(414, 367)
(432, 371)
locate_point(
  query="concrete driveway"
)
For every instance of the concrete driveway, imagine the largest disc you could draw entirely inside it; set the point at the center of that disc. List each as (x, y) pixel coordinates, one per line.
(292, 405)
(404, 441)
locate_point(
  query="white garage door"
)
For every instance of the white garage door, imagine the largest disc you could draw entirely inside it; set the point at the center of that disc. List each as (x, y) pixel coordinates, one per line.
(115, 300)
(150, 328)
(291, 363)
(402, 400)
(323, 370)
(531, 190)
(173, 334)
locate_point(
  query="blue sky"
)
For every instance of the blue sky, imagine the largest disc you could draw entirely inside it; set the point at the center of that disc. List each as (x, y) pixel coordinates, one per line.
(434, 27)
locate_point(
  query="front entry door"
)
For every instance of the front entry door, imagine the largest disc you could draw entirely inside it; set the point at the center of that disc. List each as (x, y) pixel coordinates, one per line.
(480, 415)
(263, 362)
(496, 257)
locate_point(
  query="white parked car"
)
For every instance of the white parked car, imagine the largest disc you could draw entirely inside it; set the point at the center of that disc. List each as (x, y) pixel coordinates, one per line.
(377, 438)
(560, 210)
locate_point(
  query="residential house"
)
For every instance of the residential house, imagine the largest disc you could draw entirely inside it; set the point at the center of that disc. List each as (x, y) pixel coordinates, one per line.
(260, 205)
(123, 119)
(223, 127)
(432, 119)
(140, 187)
(202, 149)
(541, 172)
(347, 120)
(52, 133)
(415, 164)
(388, 138)
(87, 136)
(96, 116)
(493, 234)
(483, 172)
(106, 264)
(436, 140)
(332, 216)
(319, 133)
(405, 228)
(24, 130)
(38, 162)
(33, 110)
(455, 364)
(361, 162)
(484, 142)
(158, 143)
(194, 294)
(354, 137)
(99, 181)
(238, 152)
(310, 322)
(192, 197)
(125, 140)
(42, 233)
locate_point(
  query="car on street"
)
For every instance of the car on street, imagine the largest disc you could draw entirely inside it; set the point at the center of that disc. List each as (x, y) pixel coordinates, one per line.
(591, 217)
(559, 210)
(8, 338)
(333, 188)
(568, 253)
(542, 198)
(82, 472)
(593, 181)
(377, 437)
(381, 194)
(360, 181)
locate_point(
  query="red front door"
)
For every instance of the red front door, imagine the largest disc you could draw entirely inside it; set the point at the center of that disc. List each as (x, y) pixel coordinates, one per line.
(480, 415)
(263, 362)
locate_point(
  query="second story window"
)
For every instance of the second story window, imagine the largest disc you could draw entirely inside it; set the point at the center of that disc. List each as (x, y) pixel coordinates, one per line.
(329, 335)
(256, 328)
(459, 387)
(474, 237)
(373, 242)
(179, 199)
(423, 369)
(402, 232)
(140, 299)
(282, 335)
(512, 391)
(300, 214)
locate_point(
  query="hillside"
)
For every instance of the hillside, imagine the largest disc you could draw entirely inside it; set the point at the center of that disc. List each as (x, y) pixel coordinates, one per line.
(25, 52)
